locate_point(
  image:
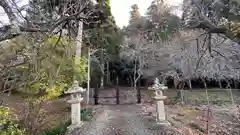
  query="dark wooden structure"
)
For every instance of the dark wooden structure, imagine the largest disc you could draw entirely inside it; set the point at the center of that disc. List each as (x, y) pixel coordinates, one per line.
(97, 92)
(117, 94)
(139, 97)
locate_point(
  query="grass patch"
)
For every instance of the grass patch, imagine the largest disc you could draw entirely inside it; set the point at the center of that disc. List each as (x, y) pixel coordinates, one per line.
(198, 97)
(197, 127)
(86, 114)
(171, 101)
(61, 129)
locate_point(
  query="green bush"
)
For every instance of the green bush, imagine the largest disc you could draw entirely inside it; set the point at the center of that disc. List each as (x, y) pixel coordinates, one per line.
(48, 68)
(86, 114)
(61, 129)
(7, 126)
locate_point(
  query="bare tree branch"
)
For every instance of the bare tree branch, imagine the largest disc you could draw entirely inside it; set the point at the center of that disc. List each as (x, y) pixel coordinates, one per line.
(8, 10)
(58, 21)
(208, 16)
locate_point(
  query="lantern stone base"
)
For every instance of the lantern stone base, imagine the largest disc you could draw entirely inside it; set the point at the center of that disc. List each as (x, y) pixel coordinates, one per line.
(75, 102)
(73, 127)
(161, 117)
(165, 123)
(75, 113)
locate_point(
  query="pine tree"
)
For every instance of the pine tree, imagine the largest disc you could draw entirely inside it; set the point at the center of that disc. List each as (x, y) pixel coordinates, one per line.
(134, 14)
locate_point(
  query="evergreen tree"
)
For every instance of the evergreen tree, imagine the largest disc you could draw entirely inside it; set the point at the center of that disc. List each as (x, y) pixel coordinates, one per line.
(163, 23)
(134, 14)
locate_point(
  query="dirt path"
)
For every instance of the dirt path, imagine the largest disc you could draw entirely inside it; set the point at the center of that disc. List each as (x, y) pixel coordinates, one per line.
(122, 120)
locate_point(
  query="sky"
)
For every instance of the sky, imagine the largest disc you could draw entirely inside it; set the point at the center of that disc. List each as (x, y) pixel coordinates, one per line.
(120, 9)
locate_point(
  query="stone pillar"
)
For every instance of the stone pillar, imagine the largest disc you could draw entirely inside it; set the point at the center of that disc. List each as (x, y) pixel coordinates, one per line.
(75, 102)
(161, 117)
(75, 111)
(159, 100)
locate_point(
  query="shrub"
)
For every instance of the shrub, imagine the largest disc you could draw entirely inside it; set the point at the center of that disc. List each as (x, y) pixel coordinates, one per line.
(33, 118)
(59, 130)
(7, 125)
(86, 114)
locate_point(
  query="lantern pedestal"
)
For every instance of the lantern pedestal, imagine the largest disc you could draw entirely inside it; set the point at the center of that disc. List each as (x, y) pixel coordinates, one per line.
(159, 101)
(75, 102)
(75, 111)
(160, 109)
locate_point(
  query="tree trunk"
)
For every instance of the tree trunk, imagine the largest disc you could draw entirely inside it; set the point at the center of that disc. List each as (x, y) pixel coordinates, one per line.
(179, 94)
(117, 81)
(146, 85)
(135, 74)
(78, 46)
(175, 83)
(108, 75)
(179, 87)
(102, 65)
(139, 99)
(206, 90)
(131, 80)
(235, 84)
(220, 83)
(88, 81)
(190, 84)
(230, 91)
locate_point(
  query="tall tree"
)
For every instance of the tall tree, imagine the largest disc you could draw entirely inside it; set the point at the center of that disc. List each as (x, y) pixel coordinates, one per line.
(162, 23)
(136, 21)
(106, 37)
(134, 14)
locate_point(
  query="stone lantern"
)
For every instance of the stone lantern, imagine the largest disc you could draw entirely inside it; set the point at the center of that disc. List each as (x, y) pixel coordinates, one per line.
(159, 98)
(75, 101)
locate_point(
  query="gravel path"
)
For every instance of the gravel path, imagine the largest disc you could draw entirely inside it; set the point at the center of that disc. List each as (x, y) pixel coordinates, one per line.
(122, 120)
